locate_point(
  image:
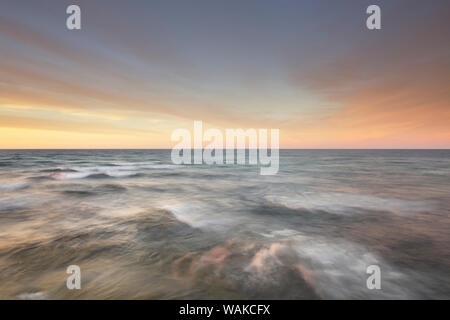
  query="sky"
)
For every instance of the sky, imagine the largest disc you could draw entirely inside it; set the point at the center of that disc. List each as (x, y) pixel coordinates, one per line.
(137, 70)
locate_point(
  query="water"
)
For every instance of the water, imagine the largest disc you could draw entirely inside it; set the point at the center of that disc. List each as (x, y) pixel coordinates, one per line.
(140, 227)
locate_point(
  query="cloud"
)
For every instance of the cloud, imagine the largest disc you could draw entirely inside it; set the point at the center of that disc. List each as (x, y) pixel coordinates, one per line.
(393, 91)
(328, 83)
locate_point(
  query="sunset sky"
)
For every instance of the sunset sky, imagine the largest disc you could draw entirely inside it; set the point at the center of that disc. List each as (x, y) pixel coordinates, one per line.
(137, 70)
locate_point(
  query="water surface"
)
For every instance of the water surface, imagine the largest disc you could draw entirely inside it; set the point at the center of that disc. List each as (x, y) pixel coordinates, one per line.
(140, 227)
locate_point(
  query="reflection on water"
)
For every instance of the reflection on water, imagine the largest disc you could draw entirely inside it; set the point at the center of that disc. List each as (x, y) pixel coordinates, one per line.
(140, 227)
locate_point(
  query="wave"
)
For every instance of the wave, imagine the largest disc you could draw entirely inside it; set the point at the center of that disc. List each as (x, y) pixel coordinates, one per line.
(145, 165)
(83, 190)
(93, 175)
(202, 216)
(12, 186)
(441, 172)
(56, 170)
(66, 176)
(163, 166)
(335, 268)
(32, 296)
(115, 170)
(19, 201)
(346, 203)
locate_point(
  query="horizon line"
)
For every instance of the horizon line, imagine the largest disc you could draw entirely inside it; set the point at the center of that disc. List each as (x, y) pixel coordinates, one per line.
(7, 149)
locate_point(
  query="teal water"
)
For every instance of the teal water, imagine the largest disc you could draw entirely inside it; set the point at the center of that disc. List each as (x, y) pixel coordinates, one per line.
(140, 227)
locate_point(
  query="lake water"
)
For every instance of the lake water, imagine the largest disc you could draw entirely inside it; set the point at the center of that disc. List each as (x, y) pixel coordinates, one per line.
(140, 227)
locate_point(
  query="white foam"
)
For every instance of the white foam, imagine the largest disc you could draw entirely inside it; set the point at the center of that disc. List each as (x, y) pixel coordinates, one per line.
(70, 175)
(201, 216)
(146, 165)
(345, 203)
(120, 174)
(336, 269)
(102, 169)
(134, 164)
(11, 186)
(87, 172)
(32, 296)
(122, 169)
(163, 166)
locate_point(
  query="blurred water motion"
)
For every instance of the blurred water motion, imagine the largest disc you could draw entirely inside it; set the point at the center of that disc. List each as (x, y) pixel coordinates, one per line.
(140, 227)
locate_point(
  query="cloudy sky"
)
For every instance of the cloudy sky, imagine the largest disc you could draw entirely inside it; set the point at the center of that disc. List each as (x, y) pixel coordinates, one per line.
(137, 70)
